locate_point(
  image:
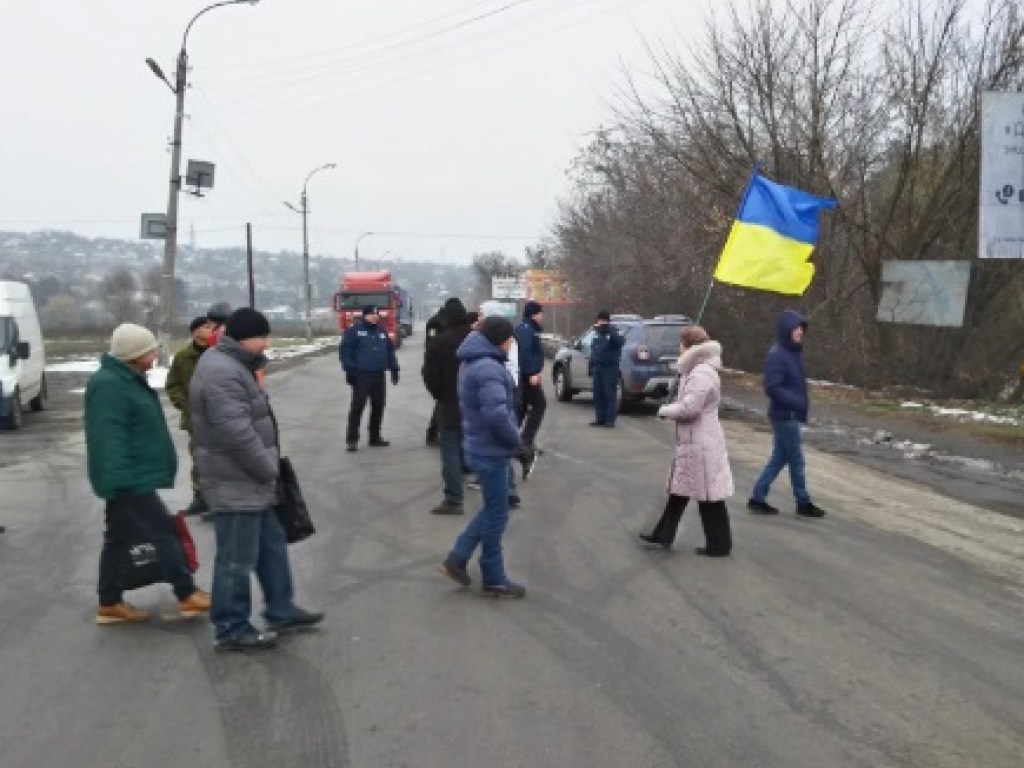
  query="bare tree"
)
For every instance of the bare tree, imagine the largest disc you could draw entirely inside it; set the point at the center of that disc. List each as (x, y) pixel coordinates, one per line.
(119, 294)
(882, 112)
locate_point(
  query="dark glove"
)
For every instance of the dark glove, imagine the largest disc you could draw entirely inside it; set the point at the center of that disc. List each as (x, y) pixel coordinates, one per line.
(350, 378)
(394, 377)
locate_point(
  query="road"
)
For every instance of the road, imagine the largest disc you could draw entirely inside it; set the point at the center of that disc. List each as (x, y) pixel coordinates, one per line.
(888, 634)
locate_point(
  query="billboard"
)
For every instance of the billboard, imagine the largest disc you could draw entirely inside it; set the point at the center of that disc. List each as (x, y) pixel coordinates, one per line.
(548, 286)
(924, 292)
(1001, 207)
(508, 288)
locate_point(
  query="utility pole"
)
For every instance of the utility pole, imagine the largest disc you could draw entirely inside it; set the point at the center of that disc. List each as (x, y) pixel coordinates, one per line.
(305, 269)
(171, 237)
(174, 188)
(306, 288)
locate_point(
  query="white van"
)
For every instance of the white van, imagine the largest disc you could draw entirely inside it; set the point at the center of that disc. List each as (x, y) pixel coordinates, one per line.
(22, 357)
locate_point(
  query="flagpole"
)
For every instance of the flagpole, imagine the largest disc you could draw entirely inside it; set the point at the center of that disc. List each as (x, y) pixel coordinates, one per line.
(743, 200)
(707, 298)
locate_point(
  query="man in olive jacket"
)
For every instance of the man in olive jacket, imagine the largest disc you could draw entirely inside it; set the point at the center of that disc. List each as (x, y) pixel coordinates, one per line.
(178, 379)
(238, 454)
(130, 455)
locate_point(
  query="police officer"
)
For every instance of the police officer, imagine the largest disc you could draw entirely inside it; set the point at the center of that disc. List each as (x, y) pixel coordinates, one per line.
(605, 354)
(366, 353)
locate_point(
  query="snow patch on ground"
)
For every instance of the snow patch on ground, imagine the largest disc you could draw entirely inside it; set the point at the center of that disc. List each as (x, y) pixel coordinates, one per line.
(288, 351)
(157, 376)
(963, 414)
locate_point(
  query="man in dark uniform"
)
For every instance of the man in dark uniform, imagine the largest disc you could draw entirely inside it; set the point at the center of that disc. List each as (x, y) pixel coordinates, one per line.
(366, 353)
(605, 354)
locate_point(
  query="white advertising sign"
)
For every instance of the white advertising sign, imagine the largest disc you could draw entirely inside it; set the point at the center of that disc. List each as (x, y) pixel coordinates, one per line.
(1001, 213)
(508, 288)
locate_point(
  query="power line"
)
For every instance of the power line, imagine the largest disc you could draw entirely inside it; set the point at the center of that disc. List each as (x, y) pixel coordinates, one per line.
(303, 73)
(286, 106)
(275, 63)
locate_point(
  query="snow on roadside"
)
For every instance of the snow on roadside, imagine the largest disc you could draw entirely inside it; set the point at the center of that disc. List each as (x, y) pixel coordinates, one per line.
(157, 377)
(962, 414)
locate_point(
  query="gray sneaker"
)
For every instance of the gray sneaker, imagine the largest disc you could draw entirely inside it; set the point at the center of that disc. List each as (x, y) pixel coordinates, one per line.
(508, 589)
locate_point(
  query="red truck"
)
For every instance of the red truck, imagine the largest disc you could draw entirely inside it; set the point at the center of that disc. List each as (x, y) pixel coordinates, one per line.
(361, 288)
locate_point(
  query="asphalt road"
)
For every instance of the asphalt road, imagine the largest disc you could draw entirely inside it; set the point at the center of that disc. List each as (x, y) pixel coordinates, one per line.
(888, 634)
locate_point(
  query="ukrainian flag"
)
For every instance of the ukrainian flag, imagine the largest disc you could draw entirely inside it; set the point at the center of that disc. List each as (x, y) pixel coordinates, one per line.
(771, 241)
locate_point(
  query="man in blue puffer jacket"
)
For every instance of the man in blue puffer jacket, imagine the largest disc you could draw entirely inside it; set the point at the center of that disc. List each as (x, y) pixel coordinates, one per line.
(366, 353)
(786, 386)
(490, 438)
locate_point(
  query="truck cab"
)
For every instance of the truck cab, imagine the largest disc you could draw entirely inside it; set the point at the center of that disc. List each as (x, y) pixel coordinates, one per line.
(359, 289)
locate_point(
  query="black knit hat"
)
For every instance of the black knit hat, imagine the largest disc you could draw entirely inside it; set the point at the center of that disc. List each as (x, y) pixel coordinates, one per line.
(246, 323)
(197, 322)
(454, 312)
(604, 315)
(532, 308)
(497, 330)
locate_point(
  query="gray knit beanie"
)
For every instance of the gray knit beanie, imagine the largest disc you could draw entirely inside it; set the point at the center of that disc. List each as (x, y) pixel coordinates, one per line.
(130, 342)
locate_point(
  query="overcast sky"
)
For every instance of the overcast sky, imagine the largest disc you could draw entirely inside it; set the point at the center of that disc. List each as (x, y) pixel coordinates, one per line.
(446, 118)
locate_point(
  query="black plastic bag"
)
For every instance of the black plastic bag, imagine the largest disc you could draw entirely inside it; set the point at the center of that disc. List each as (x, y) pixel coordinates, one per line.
(140, 566)
(291, 507)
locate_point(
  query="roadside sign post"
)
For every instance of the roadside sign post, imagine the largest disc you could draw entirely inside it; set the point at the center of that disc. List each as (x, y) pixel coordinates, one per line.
(1001, 204)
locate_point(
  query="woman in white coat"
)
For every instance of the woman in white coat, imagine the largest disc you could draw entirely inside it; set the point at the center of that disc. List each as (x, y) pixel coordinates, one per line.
(700, 463)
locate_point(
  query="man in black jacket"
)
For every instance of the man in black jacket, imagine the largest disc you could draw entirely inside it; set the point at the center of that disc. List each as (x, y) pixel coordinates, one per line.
(435, 326)
(441, 377)
(531, 365)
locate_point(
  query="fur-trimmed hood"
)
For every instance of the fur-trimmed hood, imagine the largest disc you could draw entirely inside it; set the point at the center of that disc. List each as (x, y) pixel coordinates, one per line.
(709, 352)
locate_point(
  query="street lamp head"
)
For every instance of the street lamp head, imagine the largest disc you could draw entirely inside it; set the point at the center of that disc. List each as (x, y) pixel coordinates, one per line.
(155, 68)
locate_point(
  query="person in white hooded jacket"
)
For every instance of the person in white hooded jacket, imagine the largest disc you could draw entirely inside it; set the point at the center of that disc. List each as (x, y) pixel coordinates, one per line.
(700, 463)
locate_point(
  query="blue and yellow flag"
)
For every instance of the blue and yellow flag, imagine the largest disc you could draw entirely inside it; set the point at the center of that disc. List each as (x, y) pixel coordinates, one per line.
(772, 238)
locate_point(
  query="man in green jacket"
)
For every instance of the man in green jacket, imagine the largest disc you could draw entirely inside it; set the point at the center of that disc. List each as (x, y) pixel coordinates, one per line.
(178, 379)
(130, 454)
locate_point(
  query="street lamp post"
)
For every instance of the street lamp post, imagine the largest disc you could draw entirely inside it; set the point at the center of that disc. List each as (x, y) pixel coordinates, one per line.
(171, 235)
(358, 240)
(304, 210)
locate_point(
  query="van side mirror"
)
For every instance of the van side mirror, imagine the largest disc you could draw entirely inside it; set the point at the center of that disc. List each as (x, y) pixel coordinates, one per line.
(22, 350)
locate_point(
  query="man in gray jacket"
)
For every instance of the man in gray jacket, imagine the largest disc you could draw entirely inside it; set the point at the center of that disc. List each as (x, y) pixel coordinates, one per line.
(238, 454)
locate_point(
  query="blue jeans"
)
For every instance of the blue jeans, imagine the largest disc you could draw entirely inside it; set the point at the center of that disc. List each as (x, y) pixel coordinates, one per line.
(249, 542)
(451, 464)
(606, 384)
(489, 524)
(786, 450)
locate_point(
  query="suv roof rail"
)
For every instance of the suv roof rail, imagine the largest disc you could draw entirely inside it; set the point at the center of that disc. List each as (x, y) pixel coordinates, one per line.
(672, 318)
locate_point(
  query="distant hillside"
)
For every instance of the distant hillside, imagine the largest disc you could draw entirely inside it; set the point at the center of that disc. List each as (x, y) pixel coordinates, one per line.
(83, 282)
